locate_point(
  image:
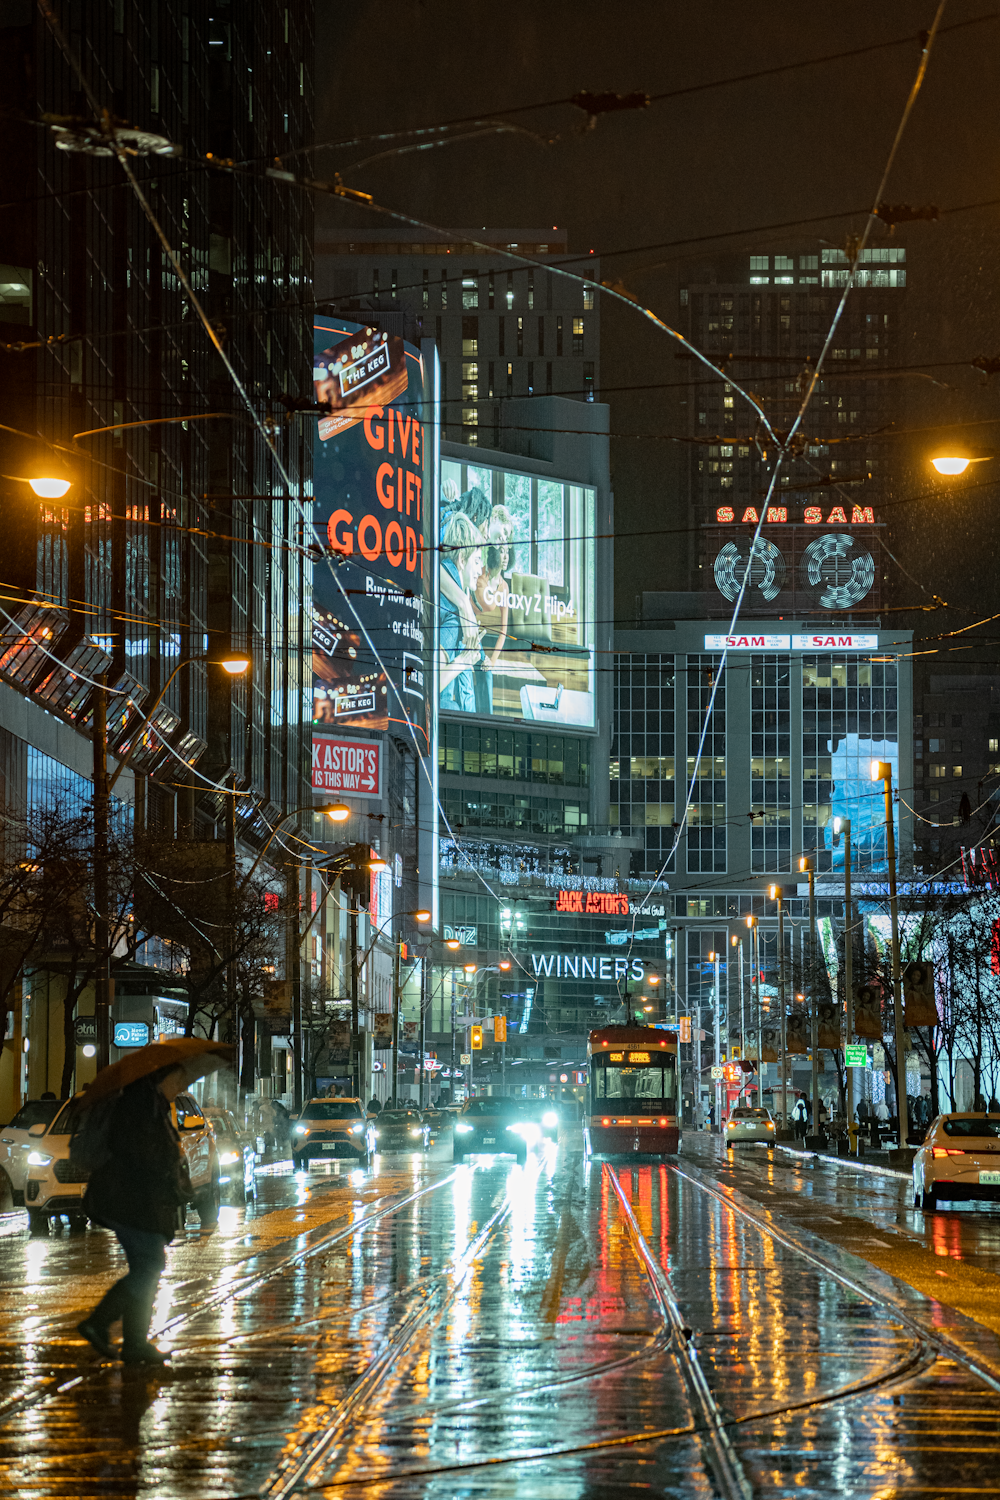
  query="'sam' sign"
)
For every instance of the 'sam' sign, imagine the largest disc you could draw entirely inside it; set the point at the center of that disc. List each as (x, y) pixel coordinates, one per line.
(351, 767)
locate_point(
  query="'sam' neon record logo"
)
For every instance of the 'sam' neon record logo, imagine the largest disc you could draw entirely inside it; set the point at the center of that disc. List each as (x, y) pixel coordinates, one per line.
(777, 515)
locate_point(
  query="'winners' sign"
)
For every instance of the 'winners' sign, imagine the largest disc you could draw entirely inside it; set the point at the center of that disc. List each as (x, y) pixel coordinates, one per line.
(351, 767)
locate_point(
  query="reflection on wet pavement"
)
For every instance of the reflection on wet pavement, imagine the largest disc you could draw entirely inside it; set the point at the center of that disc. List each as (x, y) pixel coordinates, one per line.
(490, 1330)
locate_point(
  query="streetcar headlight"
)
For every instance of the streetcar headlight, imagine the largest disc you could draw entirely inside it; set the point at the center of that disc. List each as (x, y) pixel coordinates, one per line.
(550, 1118)
(227, 1157)
(463, 1129)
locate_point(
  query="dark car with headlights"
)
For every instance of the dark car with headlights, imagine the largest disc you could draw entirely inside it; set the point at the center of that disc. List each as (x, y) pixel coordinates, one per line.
(401, 1130)
(546, 1115)
(494, 1126)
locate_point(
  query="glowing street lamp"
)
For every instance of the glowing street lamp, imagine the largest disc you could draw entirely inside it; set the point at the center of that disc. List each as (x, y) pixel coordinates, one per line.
(953, 459)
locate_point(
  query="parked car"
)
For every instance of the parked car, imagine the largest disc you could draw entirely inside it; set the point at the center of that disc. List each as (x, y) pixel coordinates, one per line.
(402, 1130)
(959, 1161)
(748, 1125)
(334, 1129)
(55, 1187)
(15, 1143)
(496, 1126)
(237, 1156)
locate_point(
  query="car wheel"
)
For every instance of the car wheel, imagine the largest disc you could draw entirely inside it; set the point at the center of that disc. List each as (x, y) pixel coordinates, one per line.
(207, 1203)
(928, 1200)
(77, 1223)
(38, 1222)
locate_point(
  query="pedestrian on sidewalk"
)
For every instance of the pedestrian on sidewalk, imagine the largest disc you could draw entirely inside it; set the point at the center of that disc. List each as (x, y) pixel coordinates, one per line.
(136, 1193)
(800, 1118)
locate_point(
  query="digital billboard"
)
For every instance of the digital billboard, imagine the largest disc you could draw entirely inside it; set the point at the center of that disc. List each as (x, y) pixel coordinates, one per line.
(516, 592)
(374, 508)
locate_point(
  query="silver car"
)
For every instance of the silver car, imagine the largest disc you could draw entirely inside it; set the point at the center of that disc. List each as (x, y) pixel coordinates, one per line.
(748, 1126)
(959, 1161)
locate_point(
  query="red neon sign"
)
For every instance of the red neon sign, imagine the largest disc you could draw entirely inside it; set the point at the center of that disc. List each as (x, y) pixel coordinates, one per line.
(593, 903)
(812, 515)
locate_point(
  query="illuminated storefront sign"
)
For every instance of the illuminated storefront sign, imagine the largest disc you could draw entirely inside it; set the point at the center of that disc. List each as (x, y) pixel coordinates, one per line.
(580, 966)
(823, 641)
(340, 765)
(812, 515)
(593, 903)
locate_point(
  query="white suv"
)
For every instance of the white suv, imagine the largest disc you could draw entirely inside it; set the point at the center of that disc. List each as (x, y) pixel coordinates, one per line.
(55, 1187)
(16, 1142)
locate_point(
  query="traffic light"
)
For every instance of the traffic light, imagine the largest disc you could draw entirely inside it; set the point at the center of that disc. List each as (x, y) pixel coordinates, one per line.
(477, 1039)
(732, 1072)
(499, 1028)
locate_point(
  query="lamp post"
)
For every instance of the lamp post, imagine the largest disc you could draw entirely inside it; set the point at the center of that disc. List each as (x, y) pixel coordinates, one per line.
(807, 866)
(751, 922)
(737, 942)
(716, 1057)
(882, 771)
(843, 826)
(777, 894)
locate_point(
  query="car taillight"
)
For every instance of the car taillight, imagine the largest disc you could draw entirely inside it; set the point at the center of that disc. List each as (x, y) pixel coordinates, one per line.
(940, 1151)
(605, 1121)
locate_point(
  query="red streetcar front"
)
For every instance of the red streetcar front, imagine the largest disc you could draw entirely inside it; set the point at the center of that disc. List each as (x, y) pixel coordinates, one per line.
(633, 1092)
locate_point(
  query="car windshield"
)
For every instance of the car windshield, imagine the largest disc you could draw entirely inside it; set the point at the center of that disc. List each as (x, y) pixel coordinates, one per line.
(749, 1114)
(982, 1127)
(331, 1109)
(35, 1112)
(399, 1116)
(494, 1107)
(66, 1120)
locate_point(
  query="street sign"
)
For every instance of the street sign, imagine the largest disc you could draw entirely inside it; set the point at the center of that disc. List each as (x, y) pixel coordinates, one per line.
(476, 1041)
(130, 1034)
(718, 1074)
(85, 1029)
(499, 1028)
(684, 1025)
(878, 1057)
(466, 1059)
(856, 1057)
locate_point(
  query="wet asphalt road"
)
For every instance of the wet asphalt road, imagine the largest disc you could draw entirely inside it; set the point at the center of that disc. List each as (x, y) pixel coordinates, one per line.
(491, 1331)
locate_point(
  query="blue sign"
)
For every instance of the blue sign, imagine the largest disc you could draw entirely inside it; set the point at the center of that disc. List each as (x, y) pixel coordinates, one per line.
(131, 1034)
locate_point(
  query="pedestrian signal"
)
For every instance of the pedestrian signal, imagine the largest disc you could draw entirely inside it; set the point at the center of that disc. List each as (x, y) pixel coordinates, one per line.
(732, 1072)
(499, 1028)
(477, 1039)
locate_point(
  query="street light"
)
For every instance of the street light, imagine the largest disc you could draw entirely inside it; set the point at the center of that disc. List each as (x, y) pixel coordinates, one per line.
(737, 942)
(952, 459)
(882, 771)
(755, 970)
(714, 958)
(452, 943)
(45, 472)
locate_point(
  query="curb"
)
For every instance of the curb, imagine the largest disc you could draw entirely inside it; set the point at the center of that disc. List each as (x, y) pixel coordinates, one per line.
(846, 1162)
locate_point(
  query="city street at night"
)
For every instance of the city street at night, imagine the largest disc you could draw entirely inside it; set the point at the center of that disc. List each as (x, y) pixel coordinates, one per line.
(565, 1329)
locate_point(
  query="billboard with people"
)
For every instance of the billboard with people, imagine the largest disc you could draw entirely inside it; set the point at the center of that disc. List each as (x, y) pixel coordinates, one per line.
(516, 590)
(375, 487)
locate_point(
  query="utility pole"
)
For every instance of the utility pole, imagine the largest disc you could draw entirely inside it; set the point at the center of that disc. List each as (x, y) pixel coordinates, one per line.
(102, 926)
(882, 771)
(454, 983)
(395, 1021)
(737, 942)
(843, 826)
(716, 1053)
(807, 866)
(423, 1027)
(293, 965)
(231, 976)
(777, 894)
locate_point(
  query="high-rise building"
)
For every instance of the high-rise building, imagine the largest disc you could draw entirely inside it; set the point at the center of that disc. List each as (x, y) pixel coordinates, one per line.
(503, 330)
(180, 538)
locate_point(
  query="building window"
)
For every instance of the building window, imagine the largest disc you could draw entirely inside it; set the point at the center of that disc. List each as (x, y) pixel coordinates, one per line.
(548, 378)
(470, 336)
(588, 299)
(577, 338)
(470, 381)
(559, 336)
(510, 380)
(541, 335)
(470, 290)
(520, 335)
(588, 379)
(956, 771)
(489, 290)
(531, 378)
(995, 744)
(425, 299)
(393, 281)
(706, 836)
(500, 335)
(938, 772)
(759, 262)
(510, 290)
(437, 332)
(444, 290)
(375, 291)
(531, 291)
(490, 390)
(770, 765)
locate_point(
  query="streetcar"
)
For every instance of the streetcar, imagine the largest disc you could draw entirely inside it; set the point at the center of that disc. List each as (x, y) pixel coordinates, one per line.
(632, 1092)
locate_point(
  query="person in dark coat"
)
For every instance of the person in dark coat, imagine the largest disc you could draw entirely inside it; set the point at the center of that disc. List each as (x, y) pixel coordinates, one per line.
(136, 1194)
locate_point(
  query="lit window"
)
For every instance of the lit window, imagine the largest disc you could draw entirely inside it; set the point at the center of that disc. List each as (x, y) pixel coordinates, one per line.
(470, 289)
(938, 772)
(588, 299)
(578, 338)
(759, 280)
(727, 401)
(956, 771)
(510, 290)
(995, 744)
(759, 262)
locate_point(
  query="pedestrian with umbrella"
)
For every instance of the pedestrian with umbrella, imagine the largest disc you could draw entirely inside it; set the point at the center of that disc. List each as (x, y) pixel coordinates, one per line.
(138, 1180)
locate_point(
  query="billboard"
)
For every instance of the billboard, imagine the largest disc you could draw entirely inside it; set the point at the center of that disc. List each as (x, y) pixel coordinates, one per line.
(351, 766)
(516, 596)
(375, 506)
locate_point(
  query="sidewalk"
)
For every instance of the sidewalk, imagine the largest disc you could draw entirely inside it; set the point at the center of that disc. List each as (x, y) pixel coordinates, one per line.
(851, 1163)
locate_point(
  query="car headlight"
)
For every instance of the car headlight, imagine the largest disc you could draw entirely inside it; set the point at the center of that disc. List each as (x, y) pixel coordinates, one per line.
(302, 1130)
(356, 1129)
(516, 1129)
(227, 1157)
(416, 1132)
(462, 1128)
(376, 1134)
(38, 1159)
(550, 1118)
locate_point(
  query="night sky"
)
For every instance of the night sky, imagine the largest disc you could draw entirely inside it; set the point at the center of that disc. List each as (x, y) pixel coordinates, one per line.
(809, 142)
